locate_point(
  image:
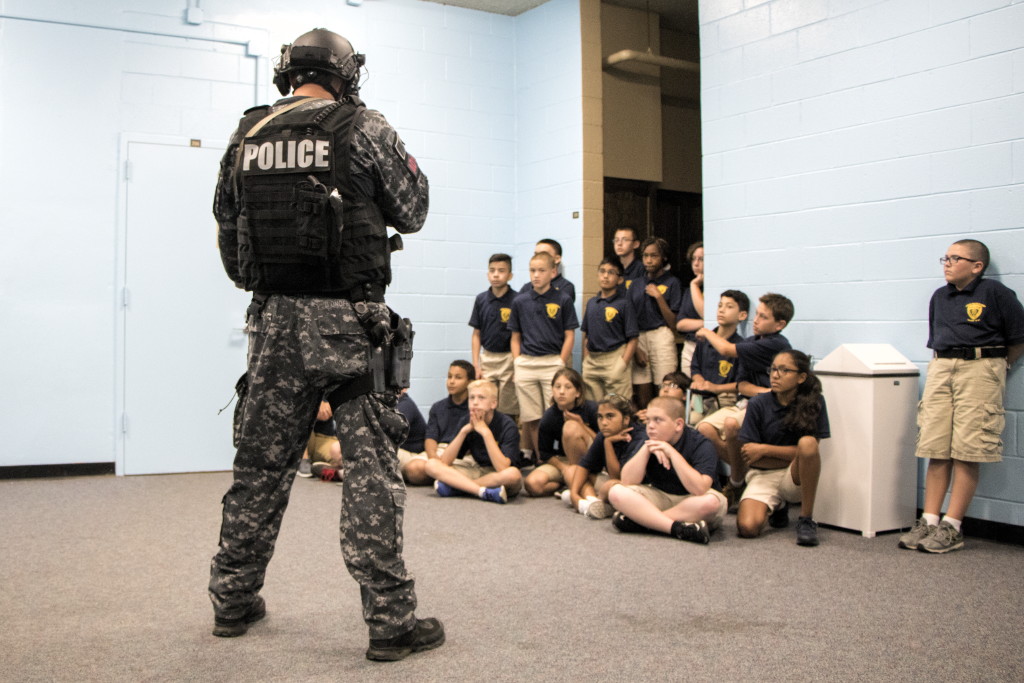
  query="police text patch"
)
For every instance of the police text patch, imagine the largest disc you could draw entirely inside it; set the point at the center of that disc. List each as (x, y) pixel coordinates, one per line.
(285, 154)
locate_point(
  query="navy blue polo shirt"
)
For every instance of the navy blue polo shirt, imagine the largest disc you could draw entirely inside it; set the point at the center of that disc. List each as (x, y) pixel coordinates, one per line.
(542, 319)
(549, 432)
(325, 427)
(632, 272)
(713, 366)
(417, 427)
(984, 313)
(755, 355)
(490, 315)
(558, 282)
(593, 460)
(648, 315)
(443, 419)
(505, 433)
(763, 422)
(609, 323)
(694, 448)
(688, 310)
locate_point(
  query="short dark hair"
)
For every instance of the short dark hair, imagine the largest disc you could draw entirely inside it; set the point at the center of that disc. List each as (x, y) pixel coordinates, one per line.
(465, 365)
(660, 243)
(611, 262)
(555, 245)
(619, 403)
(978, 250)
(741, 299)
(677, 378)
(780, 306)
(631, 230)
(500, 258)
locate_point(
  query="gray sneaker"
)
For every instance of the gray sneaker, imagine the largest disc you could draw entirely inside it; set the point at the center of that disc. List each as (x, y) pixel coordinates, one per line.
(944, 539)
(599, 510)
(921, 530)
(305, 468)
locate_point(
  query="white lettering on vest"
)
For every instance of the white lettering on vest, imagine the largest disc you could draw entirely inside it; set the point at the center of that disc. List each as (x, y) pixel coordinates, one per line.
(250, 154)
(279, 160)
(305, 153)
(291, 154)
(323, 149)
(266, 158)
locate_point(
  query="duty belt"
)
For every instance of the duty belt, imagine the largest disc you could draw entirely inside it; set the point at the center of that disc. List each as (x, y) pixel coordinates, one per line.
(373, 293)
(972, 352)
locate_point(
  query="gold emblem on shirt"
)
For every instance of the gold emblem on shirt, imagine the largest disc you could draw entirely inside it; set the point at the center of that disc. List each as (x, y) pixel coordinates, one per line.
(505, 313)
(628, 283)
(609, 314)
(662, 288)
(552, 310)
(974, 311)
(724, 367)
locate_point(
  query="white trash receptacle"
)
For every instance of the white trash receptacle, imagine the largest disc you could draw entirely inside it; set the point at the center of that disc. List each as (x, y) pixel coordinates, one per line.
(868, 470)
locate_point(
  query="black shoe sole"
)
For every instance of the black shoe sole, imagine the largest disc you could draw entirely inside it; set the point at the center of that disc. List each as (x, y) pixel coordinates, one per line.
(779, 519)
(394, 654)
(238, 627)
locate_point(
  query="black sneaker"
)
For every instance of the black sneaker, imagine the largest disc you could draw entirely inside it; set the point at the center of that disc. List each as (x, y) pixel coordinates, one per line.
(779, 519)
(231, 628)
(625, 524)
(806, 531)
(691, 531)
(425, 635)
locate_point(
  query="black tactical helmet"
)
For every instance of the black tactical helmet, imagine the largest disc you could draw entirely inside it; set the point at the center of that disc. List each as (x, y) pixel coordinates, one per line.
(319, 51)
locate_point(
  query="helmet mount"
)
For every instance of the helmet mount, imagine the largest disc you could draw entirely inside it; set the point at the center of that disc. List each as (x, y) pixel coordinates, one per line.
(316, 54)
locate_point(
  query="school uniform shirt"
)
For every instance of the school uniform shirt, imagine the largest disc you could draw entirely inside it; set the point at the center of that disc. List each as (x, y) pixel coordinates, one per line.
(694, 448)
(648, 314)
(763, 422)
(558, 282)
(505, 433)
(688, 310)
(609, 322)
(325, 428)
(443, 419)
(984, 313)
(630, 273)
(713, 366)
(490, 315)
(549, 432)
(542, 320)
(594, 461)
(417, 427)
(755, 355)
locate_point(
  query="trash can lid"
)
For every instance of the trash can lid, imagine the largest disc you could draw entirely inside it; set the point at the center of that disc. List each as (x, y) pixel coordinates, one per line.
(866, 360)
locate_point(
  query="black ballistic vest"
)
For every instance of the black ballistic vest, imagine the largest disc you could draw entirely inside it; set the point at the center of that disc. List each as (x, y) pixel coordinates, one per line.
(302, 227)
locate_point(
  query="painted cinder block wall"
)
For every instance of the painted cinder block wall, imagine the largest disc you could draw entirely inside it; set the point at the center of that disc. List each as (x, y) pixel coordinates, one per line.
(846, 144)
(449, 79)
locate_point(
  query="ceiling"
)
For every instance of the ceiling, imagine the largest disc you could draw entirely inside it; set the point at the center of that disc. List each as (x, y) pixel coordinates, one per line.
(678, 15)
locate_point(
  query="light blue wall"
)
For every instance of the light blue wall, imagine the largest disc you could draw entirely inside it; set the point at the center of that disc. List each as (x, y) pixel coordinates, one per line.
(452, 81)
(846, 145)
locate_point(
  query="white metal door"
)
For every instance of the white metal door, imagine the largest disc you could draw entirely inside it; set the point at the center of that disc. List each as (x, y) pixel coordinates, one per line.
(184, 347)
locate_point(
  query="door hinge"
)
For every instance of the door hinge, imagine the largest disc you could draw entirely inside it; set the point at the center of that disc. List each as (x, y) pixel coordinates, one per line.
(124, 297)
(127, 169)
(124, 423)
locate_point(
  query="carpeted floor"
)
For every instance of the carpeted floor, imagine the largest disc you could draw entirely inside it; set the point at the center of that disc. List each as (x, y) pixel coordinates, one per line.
(104, 579)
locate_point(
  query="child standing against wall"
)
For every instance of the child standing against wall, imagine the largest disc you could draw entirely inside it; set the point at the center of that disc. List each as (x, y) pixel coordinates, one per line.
(609, 336)
(492, 340)
(976, 329)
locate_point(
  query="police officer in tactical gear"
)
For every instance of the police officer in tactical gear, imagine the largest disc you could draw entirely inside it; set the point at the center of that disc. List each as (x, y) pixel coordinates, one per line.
(306, 191)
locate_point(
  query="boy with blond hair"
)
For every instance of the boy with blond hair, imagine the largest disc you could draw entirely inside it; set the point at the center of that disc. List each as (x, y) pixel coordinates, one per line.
(491, 438)
(543, 323)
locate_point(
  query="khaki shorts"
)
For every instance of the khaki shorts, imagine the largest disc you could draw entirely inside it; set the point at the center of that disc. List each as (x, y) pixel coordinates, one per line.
(604, 372)
(533, 384)
(498, 366)
(405, 457)
(686, 355)
(554, 474)
(771, 487)
(717, 418)
(319, 447)
(961, 414)
(664, 501)
(660, 346)
(469, 468)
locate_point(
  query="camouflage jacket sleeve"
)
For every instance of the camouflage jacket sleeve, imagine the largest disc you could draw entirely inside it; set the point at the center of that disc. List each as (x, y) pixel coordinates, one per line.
(226, 209)
(383, 169)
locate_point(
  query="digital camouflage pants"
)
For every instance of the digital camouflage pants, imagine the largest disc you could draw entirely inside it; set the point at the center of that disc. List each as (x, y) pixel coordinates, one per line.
(298, 347)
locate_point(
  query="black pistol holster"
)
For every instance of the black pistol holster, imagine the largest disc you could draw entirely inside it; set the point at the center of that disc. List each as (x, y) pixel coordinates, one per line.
(390, 361)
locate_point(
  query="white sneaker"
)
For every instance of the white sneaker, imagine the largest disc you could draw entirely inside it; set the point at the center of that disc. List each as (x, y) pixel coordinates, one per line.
(584, 506)
(566, 497)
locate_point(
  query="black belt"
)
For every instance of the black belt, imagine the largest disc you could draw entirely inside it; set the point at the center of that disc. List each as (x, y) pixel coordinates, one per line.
(972, 352)
(373, 293)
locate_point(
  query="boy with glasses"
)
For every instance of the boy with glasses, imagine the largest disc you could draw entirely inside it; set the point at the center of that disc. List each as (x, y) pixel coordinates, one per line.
(976, 329)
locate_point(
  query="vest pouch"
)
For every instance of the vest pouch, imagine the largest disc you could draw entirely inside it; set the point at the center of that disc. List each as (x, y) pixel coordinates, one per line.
(314, 219)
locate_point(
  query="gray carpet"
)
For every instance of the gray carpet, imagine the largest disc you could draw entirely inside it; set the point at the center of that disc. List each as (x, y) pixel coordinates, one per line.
(104, 579)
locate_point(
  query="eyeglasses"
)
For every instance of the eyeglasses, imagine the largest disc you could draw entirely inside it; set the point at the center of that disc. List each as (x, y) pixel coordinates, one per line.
(956, 259)
(775, 370)
(670, 385)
